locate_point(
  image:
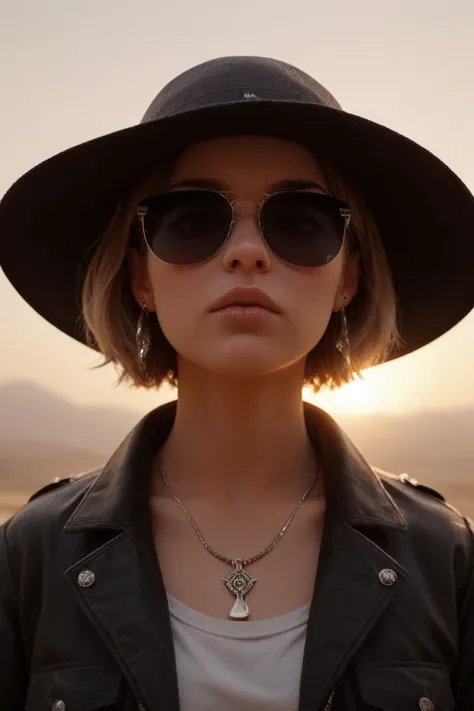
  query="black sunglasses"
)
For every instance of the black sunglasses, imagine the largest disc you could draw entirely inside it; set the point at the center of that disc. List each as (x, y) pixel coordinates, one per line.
(190, 226)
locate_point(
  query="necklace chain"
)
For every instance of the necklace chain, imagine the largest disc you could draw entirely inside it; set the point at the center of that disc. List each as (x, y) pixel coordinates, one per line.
(237, 561)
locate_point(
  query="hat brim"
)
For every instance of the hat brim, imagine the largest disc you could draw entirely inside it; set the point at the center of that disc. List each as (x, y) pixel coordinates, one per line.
(53, 215)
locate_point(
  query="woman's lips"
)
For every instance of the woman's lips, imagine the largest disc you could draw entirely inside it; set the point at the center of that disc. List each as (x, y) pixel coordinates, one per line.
(245, 297)
(245, 312)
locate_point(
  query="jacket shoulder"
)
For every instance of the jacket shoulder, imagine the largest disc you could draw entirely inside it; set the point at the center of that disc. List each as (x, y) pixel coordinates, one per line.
(66, 486)
(415, 497)
(53, 503)
(53, 485)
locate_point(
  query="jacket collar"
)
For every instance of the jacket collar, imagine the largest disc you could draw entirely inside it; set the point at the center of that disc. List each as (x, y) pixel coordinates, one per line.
(354, 490)
(118, 498)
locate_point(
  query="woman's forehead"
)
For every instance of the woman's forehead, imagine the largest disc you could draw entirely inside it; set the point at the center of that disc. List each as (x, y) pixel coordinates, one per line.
(247, 162)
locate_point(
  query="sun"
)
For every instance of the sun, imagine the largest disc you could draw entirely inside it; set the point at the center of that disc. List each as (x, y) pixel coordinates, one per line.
(360, 396)
(354, 397)
(357, 396)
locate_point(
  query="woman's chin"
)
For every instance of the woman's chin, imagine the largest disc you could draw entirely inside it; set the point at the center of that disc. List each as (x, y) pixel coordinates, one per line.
(246, 364)
(241, 357)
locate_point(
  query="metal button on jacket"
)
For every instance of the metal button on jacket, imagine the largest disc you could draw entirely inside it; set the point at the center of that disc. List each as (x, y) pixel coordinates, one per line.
(58, 705)
(388, 577)
(425, 704)
(85, 579)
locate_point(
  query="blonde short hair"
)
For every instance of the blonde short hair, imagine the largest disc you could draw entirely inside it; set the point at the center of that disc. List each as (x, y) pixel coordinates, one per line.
(111, 313)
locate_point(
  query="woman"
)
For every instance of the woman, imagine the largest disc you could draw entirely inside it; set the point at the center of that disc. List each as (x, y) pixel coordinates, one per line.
(237, 551)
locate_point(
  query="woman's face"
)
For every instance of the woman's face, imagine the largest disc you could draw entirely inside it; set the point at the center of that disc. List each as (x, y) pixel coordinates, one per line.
(183, 296)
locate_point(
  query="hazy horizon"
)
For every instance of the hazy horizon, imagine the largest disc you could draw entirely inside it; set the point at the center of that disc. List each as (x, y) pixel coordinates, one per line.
(46, 435)
(71, 72)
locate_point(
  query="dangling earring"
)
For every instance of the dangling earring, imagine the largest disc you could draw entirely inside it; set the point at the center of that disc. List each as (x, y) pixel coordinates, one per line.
(342, 344)
(143, 337)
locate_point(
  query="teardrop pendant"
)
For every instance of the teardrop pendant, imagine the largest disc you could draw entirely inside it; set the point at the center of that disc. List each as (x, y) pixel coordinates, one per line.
(240, 610)
(239, 582)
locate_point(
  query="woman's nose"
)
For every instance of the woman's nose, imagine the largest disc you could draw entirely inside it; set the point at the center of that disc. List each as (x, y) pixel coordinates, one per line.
(245, 247)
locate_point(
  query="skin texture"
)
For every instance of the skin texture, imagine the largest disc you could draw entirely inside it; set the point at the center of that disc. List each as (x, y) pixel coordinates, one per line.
(239, 448)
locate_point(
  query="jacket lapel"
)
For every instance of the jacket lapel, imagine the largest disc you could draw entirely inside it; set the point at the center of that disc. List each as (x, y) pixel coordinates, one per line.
(127, 606)
(349, 596)
(348, 600)
(126, 602)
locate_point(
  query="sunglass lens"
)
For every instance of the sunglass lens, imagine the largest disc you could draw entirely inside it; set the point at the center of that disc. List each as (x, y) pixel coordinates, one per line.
(187, 226)
(305, 229)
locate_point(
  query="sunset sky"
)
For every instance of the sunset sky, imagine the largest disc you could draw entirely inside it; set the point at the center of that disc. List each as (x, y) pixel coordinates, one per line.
(71, 71)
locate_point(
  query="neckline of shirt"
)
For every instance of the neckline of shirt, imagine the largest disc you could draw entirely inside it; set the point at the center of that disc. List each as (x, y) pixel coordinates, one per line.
(237, 630)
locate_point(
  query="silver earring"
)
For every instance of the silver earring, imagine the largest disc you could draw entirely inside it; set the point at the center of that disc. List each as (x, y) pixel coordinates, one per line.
(342, 344)
(143, 337)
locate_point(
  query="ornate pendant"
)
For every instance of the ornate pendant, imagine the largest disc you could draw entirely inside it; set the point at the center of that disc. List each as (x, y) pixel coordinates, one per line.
(240, 583)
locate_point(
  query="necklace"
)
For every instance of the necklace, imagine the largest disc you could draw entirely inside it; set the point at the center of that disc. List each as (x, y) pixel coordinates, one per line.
(239, 581)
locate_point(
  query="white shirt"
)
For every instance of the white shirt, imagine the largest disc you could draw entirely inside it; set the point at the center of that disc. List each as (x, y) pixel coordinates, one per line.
(230, 666)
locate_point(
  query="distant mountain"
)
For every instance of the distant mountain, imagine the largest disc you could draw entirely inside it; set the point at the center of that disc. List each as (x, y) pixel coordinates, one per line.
(29, 412)
(43, 435)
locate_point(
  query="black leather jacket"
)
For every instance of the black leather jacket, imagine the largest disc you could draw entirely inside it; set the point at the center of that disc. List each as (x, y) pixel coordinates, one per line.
(401, 640)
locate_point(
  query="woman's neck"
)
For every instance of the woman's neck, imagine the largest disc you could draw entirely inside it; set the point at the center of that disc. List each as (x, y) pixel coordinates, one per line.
(236, 441)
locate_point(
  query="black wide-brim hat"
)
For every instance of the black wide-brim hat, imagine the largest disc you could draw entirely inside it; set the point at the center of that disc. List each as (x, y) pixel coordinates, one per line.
(52, 216)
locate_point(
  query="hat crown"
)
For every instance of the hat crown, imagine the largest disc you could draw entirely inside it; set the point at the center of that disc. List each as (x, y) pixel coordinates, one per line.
(237, 79)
